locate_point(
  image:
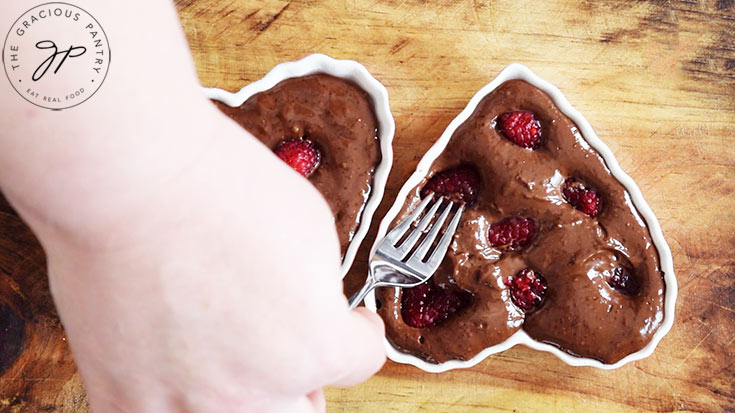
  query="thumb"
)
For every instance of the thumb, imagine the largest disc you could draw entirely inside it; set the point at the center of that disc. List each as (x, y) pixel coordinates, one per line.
(363, 352)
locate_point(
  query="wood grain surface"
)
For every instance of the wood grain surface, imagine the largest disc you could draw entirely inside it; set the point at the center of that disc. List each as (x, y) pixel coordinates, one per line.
(655, 79)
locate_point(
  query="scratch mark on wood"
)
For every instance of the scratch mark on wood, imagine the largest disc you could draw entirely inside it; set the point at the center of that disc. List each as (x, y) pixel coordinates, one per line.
(695, 348)
(730, 342)
(728, 309)
(400, 5)
(228, 13)
(398, 46)
(265, 25)
(251, 14)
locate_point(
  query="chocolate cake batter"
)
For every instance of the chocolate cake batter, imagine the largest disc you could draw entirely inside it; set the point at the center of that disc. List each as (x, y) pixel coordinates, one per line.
(337, 116)
(581, 314)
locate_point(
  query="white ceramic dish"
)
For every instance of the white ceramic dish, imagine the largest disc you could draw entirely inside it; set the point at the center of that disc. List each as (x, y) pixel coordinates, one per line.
(357, 73)
(518, 71)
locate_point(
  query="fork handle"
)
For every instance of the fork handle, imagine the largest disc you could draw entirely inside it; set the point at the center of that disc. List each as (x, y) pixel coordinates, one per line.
(357, 298)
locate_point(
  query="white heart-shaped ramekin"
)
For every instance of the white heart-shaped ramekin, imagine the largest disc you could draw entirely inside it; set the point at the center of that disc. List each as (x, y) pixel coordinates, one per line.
(518, 71)
(357, 73)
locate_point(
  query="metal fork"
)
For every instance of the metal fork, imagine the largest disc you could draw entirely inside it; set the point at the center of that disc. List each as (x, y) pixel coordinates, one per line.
(391, 265)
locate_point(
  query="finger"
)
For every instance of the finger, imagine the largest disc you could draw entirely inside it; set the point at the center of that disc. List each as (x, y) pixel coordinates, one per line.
(318, 400)
(374, 319)
(361, 352)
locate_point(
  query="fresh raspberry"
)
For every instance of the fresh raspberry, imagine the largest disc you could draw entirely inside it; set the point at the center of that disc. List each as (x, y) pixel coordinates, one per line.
(512, 233)
(300, 154)
(460, 184)
(623, 281)
(527, 289)
(427, 305)
(582, 197)
(521, 128)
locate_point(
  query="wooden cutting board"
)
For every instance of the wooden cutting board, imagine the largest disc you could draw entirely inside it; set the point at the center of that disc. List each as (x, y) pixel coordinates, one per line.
(655, 79)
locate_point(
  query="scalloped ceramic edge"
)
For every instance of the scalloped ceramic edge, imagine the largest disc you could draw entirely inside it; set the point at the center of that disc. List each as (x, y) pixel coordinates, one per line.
(518, 71)
(346, 69)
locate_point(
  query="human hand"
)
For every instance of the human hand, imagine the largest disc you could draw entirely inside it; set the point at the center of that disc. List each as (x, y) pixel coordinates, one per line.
(217, 289)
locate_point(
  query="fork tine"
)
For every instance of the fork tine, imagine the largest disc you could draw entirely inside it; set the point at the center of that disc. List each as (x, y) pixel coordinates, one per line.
(441, 248)
(423, 248)
(413, 237)
(394, 235)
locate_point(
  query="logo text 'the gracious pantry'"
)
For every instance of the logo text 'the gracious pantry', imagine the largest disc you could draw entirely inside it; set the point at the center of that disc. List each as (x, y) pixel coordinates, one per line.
(56, 55)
